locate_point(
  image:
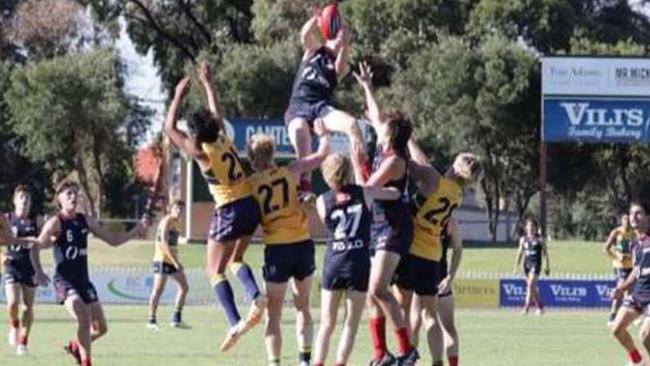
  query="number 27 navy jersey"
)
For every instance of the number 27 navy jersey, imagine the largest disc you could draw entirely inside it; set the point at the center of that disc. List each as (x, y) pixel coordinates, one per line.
(348, 221)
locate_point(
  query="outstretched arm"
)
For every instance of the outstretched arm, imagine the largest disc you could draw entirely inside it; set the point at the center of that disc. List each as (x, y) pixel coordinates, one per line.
(313, 161)
(364, 77)
(116, 239)
(425, 176)
(343, 56)
(308, 35)
(211, 93)
(178, 137)
(417, 154)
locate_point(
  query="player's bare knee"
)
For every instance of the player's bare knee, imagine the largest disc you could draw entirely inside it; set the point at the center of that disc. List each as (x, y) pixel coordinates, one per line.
(618, 330)
(28, 311)
(452, 332)
(84, 322)
(100, 328)
(301, 304)
(13, 308)
(379, 293)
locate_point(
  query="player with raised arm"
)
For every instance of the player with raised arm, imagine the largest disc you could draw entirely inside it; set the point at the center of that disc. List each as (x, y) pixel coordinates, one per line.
(67, 233)
(345, 211)
(392, 227)
(619, 250)
(167, 264)
(236, 214)
(435, 199)
(20, 283)
(289, 251)
(445, 335)
(321, 68)
(532, 247)
(637, 285)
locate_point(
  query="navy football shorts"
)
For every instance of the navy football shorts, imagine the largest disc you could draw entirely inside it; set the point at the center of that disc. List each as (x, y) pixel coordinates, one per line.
(285, 261)
(419, 275)
(86, 291)
(235, 220)
(163, 268)
(308, 111)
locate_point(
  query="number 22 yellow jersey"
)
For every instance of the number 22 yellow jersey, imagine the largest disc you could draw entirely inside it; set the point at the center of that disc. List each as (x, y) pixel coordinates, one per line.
(226, 177)
(283, 219)
(431, 217)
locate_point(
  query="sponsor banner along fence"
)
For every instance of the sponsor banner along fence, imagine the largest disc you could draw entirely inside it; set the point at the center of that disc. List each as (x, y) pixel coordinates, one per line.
(568, 293)
(476, 293)
(471, 290)
(596, 99)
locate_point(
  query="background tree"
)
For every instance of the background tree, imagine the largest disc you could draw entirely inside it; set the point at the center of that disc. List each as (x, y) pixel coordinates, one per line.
(72, 113)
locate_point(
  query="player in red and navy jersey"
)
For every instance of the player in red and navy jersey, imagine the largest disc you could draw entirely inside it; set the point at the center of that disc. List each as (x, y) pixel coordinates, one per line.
(392, 227)
(321, 68)
(532, 247)
(346, 212)
(20, 282)
(67, 233)
(637, 285)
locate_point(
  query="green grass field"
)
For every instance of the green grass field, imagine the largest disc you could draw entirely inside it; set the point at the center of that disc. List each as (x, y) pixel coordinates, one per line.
(488, 338)
(565, 257)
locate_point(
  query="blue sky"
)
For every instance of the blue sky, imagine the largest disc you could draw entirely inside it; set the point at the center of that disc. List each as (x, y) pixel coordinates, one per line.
(142, 80)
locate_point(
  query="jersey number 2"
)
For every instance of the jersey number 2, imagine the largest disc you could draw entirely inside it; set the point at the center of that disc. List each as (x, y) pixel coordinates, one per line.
(231, 157)
(445, 210)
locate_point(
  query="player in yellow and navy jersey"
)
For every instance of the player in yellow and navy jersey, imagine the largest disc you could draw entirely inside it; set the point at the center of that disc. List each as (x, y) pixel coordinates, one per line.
(166, 263)
(289, 252)
(619, 248)
(236, 214)
(435, 199)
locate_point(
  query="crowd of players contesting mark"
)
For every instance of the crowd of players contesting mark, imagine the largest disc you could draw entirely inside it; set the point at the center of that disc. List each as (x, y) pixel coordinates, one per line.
(388, 217)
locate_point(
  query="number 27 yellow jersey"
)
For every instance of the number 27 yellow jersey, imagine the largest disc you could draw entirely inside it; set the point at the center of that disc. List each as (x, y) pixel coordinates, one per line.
(283, 219)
